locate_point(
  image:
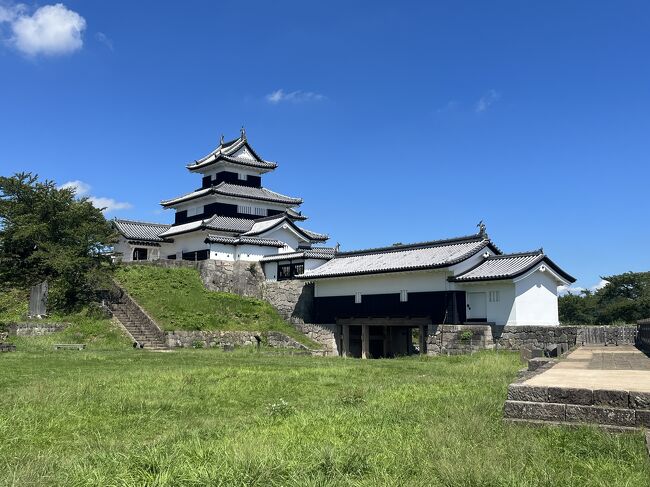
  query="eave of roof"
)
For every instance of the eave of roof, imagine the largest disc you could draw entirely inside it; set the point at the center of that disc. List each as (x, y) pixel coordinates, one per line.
(539, 257)
(431, 243)
(324, 254)
(241, 240)
(284, 218)
(225, 151)
(481, 240)
(140, 231)
(235, 191)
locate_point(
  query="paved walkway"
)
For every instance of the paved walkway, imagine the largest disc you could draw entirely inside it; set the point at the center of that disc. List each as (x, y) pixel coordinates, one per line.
(610, 368)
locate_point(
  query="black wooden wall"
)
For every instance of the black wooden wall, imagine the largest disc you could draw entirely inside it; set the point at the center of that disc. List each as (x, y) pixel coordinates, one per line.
(442, 306)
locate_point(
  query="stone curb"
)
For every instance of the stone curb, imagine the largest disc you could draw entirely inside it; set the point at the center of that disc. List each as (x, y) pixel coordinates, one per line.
(574, 413)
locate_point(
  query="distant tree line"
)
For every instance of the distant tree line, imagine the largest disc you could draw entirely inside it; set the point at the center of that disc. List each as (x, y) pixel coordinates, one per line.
(625, 299)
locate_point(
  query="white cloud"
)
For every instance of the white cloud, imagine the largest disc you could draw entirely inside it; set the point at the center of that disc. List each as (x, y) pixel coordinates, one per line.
(80, 188)
(297, 96)
(50, 30)
(562, 290)
(104, 39)
(487, 100)
(107, 205)
(10, 13)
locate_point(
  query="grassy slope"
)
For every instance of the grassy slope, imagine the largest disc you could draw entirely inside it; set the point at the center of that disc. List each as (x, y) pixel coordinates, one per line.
(205, 417)
(96, 333)
(177, 300)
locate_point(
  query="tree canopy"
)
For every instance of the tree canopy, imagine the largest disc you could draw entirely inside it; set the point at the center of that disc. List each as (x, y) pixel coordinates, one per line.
(46, 233)
(625, 298)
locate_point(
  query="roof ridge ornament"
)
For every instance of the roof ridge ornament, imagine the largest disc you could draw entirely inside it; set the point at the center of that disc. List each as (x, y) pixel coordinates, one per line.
(221, 141)
(481, 229)
(242, 133)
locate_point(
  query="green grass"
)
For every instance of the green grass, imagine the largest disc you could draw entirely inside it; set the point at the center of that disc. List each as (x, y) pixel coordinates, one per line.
(177, 300)
(96, 332)
(206, 417)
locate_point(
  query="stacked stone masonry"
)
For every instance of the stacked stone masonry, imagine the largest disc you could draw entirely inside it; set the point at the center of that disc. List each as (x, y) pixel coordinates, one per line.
(456, 339)
(229, 339)
(30, 329)
(610, 408)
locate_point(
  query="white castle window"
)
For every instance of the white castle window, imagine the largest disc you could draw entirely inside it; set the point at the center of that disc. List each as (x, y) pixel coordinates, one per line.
(494, 296)
(248, 210)
(403, 296)
(260, 211)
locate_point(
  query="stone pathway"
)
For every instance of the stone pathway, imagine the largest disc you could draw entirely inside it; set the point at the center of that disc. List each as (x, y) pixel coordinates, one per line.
(608, 368)
(606, 386)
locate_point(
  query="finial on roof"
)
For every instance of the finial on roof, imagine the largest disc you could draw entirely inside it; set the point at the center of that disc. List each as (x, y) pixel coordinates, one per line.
(481, 228)
(337, 247)
(243, 132)
(221, 140)
(541, 249)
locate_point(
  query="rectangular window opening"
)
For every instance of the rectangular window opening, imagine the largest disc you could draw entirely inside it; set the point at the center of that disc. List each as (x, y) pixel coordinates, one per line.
(403, 296)
(357, 298)
(494, 297)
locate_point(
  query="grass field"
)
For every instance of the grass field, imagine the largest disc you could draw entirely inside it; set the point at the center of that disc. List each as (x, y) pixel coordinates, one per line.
(177, 300)
(206, 417)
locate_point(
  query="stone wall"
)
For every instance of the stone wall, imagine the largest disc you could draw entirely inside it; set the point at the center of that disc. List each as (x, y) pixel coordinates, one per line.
(240, 277)
(293, 299)
(229, 339)
(455, 339)
(325, 335)
(458, 339)
(31, 329)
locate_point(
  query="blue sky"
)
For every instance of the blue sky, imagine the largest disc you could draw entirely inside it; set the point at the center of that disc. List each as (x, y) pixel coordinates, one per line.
(396, 121)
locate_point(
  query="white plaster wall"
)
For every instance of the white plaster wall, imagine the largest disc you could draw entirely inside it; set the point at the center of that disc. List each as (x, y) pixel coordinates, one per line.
(313, 263)
(287, 236)
(153, 252)
(502, 312)
(253, 252)
(421, 281)
(271, 271)
(222, 252)
(536, 300)
(189, 242)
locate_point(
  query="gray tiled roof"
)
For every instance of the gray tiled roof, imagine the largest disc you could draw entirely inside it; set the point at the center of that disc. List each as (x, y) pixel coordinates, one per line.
(224, 152)
(217, 222)
(236, 190)
(244, 240)
(143, 231)
(229, 223)
(265, 224)
(314, 236)
(508, 266)
(428, 255)
(324, 253)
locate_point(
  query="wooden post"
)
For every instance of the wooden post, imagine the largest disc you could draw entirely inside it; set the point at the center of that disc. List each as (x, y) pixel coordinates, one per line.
(345, 345)
(423, 339)
(387, 341)
(365, 341)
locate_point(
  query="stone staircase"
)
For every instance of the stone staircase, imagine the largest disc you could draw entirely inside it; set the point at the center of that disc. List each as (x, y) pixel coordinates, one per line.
(140, 326)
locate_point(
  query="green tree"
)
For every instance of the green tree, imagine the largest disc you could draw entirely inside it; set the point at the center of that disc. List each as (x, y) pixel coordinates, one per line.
(48, 234)
(625, 298)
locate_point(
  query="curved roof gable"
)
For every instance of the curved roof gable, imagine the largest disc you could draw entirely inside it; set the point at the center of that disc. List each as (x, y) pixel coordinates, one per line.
(509, 266)
(237, 151)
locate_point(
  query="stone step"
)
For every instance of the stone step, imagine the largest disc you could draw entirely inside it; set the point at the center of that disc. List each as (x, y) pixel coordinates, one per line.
(574, 413)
